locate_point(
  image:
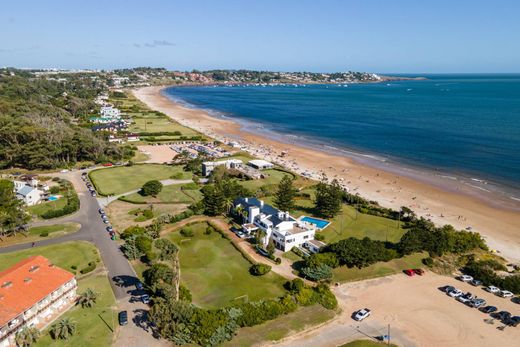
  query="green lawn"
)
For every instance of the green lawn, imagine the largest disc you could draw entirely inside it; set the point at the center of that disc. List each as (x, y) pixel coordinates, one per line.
(92, 330)
(121, 179)
(366, 343)
(40, 209)
(139, 157)
(276, 329)
(345, 274)
(169, 194)
(34, 233)
(275, 176)
(158, 124)
(216, 273)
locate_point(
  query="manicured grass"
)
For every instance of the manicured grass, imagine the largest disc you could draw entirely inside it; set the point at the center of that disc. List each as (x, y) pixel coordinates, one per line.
(139, 157)
(158, 124)
(121, 179)
(91, 330)
(282, 326)
(34, 233)
(275, 176)
(292, 256)
(64, 255)
(216, 273)
(412, 261)
(366, 343)
(169, 194)
(40, 209)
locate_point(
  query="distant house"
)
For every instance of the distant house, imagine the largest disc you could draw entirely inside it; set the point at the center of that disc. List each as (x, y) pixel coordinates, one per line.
(260, 164)
(285, 231)
(33, 293)
(110, 111)
(209, 166)
(132, 137)
(30, 195)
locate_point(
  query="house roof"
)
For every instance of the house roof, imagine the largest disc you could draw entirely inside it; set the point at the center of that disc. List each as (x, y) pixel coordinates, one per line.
(317, 243)
(266, 209)
(260, 162)
(25, 190)
(26, 283)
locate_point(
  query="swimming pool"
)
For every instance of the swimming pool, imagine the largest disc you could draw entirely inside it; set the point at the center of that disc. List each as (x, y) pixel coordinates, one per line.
(53, 198)
(320, 223)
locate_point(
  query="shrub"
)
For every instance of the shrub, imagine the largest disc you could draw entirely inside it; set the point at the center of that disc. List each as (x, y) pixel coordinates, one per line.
(294, 286)
(187, 232)
(44, 234)
(89, 268)
(184, 294)
(259, 269)
(209, 230)
(132, 230)
(319, 237)
(167, 249)
(319, 272)
(278, 260)
(152, 188)
(74, 267)
(54, 190)
(428, 261)
(148, 213)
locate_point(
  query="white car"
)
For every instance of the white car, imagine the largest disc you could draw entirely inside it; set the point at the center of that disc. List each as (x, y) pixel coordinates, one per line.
(362, 314)
(455, 293)
(506, 294)
(466, 278)
(493, 289)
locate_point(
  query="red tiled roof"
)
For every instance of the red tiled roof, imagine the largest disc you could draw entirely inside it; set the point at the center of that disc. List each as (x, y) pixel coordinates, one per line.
(26, 283)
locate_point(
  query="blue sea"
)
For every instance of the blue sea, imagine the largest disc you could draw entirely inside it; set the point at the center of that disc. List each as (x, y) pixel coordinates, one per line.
(458, 124)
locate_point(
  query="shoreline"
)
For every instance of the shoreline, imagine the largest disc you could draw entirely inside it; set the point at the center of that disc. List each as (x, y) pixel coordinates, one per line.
(391, 185)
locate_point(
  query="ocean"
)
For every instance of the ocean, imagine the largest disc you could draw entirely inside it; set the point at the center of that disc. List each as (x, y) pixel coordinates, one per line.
(460, 125)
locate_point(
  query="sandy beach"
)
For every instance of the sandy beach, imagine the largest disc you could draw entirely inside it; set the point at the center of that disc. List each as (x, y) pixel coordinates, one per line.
(441, 201)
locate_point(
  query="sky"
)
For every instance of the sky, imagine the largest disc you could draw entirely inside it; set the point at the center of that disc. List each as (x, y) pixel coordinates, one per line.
(387, 36)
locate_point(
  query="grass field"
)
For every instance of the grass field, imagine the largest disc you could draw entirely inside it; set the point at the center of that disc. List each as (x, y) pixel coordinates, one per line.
(152, 124)
(216, 273)
(140, 157)
(282, 326)
(344, 274)
(92, 331)
(275, 176)
(121, 179)
(169, 194)
(40, 209)
(33, 234)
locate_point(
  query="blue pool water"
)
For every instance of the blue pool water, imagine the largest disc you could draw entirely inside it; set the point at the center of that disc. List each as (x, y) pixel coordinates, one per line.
(320, 223)
(53, 198)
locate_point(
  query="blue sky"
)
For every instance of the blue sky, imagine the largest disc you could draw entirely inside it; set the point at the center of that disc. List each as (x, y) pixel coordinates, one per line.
(326, 35)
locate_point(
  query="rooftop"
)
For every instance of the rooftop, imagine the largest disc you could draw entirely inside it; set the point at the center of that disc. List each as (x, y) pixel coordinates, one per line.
(26, 283)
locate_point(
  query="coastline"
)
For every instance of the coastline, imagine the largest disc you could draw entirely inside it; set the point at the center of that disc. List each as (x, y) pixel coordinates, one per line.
(443, 200)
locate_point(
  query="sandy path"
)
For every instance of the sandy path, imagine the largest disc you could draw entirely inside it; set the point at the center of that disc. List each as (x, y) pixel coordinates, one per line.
(419, 314)
(498, 221)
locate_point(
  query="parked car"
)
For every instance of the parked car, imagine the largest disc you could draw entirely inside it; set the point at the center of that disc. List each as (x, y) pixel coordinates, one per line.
(493, 289)
(409, 272)
(262, 251)
(110, 229)
(448, 289)
(104, 216)
(419, 272)
(362, 314)
(465, 278)
(101, 211)
(489, 309)
(145, 299)
(502, 315)
(455, 293)
(241, 234)
(106, 221)
(475, 282)
(123, 318)
(513, 321)
(93, 194)
(477, 302)
(505, 294)
(139, 286)
(466, 298)
(108, 164)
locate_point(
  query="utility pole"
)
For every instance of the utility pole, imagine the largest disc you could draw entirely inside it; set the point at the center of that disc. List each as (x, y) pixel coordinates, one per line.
(388, 334)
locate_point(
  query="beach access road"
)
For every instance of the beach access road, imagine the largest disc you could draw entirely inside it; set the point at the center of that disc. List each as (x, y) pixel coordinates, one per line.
(418, 312)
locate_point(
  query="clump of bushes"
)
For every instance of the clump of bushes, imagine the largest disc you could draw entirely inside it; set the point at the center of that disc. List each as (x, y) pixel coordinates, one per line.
(72, 203)
(89, 268)
(187, 232)
(259, 269)
(44, 234)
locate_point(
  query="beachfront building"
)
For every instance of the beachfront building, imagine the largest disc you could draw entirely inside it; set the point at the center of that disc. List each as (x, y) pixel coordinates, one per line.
(110, 112)
(285, 231)
(209, 166)
(33, 293)
(260, 164)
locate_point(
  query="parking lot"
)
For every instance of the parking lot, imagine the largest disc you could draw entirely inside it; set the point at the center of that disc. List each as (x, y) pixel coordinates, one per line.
(419, 314)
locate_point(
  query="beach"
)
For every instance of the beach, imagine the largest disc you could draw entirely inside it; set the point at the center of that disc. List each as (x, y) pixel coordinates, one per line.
(443, 200)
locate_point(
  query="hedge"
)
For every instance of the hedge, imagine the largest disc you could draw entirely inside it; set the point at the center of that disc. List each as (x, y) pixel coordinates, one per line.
(71, 207)
(89, 268)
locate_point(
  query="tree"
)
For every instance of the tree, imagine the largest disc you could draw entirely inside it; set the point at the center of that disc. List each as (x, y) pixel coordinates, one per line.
(284, 197)
(259, 269)
(13, 215)
(88, 298)
(318, 273)
(63, 329)
(328, 198)
(26, 337)
(151, 188)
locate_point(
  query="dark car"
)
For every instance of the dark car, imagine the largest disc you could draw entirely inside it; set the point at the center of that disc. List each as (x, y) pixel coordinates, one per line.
(448, 289)
(419, 272)
(502, 315)
(488, 309)
(123, 318)
(101, 211)
(145, 299)
(475, 282)
(110, 229)
(139, 286)
(513, 321)
(477, 302)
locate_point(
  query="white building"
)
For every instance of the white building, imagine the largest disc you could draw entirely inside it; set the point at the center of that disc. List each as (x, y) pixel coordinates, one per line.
(260, 164)
(110, 112)
(33, 293)
(285, 231)
(30, 195)
(314, 245)
(209, 166)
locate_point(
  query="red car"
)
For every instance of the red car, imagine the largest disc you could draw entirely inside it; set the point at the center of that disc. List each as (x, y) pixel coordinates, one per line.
(419, 272)
(409, 272)
(108, 164)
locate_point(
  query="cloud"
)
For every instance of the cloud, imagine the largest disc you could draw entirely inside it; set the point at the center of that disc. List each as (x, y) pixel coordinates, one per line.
(155, 43)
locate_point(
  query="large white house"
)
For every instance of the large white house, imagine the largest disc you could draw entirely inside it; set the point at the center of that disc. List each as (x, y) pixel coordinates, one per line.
(30, 195)
(209, 166)
(33, 293)
(285, 231)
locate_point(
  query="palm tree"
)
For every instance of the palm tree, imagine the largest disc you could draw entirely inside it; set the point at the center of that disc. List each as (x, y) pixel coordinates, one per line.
(26, 337)
(87, 298)
(63, 329)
